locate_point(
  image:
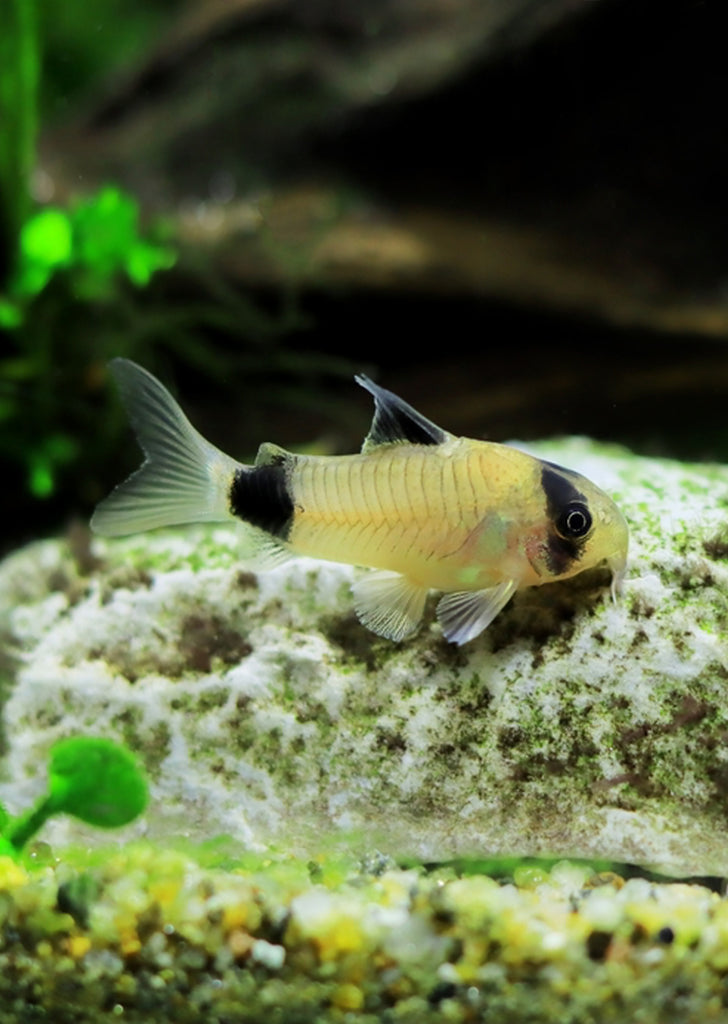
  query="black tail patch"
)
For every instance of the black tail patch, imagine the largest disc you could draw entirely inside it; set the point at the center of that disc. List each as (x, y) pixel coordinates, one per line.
(260, 496)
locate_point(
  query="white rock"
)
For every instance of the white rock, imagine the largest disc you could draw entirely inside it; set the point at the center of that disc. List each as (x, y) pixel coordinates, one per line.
(265, 711)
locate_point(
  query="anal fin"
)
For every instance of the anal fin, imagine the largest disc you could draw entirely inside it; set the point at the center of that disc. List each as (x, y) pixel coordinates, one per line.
(464, 614)
(389, 604)
(260, 552)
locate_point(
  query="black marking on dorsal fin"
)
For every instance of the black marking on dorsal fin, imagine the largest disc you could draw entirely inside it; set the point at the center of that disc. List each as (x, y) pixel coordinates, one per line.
(261, 496)
(396, 422)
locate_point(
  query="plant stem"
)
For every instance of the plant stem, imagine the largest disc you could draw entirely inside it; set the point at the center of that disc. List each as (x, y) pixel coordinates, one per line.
(19, 831)
(19, 70)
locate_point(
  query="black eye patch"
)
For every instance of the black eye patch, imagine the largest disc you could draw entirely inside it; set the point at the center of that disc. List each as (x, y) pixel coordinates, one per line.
(558, 488)
(568, 516)
(574, 521)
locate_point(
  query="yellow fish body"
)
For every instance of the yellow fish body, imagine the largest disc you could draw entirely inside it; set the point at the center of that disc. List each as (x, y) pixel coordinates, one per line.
(429, 511)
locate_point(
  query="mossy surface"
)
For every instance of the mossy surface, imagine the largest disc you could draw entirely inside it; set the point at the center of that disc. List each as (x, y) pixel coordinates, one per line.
(146, 934)
(261, 707)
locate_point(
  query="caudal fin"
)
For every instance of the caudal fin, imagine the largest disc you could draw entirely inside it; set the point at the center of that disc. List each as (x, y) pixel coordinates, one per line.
(184, 479)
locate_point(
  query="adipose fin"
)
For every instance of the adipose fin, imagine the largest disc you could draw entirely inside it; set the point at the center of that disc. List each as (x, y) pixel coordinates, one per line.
(270, 454)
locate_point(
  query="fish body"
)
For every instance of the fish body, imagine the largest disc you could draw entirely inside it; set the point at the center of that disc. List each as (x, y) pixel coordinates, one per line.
(418, 510)
(425, 509)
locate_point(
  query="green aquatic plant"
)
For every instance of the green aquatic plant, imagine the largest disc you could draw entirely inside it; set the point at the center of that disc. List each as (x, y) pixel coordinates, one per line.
(19, 78)
(90, 778)
(93, 241)
(72, 266)
(81, 254)
(79, 284)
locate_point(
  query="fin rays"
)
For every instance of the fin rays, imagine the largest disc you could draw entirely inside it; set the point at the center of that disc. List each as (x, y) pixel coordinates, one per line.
(392, 606)
(396, 422)
(183, 479)
(464, 614)
(388, 604)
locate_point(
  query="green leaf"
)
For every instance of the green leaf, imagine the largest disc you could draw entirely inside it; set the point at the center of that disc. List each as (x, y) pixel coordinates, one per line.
(97, 781)
(93, 779)
(54, 451)
(46, 238)
(11, 315)
(106, 228)
(7, 849)
(107, 240)
(41, 481)
(144, 259)
(46, 245)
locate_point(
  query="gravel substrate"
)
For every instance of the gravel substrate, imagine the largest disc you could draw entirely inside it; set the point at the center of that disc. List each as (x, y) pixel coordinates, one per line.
(143, 934)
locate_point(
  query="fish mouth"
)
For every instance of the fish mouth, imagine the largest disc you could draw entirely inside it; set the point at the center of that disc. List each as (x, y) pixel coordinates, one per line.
(618, 565)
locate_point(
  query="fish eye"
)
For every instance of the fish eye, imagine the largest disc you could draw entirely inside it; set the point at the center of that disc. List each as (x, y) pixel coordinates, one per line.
(574, 521)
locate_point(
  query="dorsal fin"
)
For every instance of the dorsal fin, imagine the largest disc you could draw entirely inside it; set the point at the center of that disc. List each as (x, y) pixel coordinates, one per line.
(396, 422)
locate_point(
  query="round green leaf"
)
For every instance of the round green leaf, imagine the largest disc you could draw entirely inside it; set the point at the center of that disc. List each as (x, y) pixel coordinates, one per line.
(46, 238)
(96, 780)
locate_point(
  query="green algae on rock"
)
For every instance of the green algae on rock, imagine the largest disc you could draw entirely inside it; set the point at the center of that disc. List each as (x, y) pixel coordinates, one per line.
(261, 708)
(154, 935)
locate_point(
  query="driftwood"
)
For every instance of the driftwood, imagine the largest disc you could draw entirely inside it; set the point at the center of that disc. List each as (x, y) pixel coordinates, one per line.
(545, 153)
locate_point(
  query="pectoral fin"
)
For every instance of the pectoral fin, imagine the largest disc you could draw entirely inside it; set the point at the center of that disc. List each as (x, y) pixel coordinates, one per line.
(388, 604)
(465, 614)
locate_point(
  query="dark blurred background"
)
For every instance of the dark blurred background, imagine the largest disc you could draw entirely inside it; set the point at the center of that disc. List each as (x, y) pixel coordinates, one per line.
(512, 212)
